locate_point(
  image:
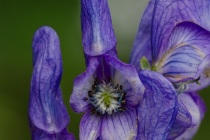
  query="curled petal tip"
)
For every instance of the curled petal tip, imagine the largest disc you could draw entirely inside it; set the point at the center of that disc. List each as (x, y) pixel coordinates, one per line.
(97, 32)
(46, 39)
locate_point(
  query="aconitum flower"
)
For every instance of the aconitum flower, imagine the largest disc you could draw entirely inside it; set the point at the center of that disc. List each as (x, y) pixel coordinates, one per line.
(109, 91)
(177, 33)
(174, 40)
(47, 113)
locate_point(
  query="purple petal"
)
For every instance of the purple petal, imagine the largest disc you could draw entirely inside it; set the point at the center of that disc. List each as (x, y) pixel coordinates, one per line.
(158, 108)
(204, 72)
(199, 102)
(127, 76)
(196, 106)
(204, 82)
(177, 130)
(142, 43)
(119, 126)
(38, 134)
(167, 14)
(46, 109)
(183, 116)
(82, 84)
(97, 32)
(90, 126)
(185, 53)
(183, 119)
(189, 133)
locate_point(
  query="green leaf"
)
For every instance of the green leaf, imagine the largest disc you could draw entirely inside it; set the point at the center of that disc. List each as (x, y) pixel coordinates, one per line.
(144, 63)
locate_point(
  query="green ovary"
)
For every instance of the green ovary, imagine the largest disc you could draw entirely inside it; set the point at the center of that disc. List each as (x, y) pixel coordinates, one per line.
(107, 98)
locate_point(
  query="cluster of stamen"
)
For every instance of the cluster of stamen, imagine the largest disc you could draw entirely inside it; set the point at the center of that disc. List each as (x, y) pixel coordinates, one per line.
(182, 87)
(106, 97)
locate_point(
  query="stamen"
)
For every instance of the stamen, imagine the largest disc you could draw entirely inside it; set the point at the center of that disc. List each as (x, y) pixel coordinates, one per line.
(182, 87)
(106, 97)
(90, 93)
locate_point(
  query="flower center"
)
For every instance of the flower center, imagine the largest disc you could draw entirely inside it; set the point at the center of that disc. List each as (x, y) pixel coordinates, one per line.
(106, 97)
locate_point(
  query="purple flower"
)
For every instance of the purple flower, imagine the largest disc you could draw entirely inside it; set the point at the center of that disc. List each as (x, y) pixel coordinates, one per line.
(174, 40)
(109, 91)
(47, 113)
(174, 37)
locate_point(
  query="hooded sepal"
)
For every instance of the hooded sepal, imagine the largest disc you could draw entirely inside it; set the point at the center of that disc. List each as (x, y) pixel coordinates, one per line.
(46, 109)
(187, 52)
(168, 14)
(175, 41)
(97, 32)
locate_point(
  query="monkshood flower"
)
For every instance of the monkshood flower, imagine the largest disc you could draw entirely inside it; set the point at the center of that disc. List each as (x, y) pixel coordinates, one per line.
(109, 91)
(47, 113)
(174, 40)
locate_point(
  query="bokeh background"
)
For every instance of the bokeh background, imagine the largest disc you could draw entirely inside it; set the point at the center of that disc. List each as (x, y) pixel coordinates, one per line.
(18, 22)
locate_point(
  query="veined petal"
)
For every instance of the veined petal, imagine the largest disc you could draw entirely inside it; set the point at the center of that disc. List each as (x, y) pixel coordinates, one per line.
(38, 134)
(204, 82)
(192, 107)
(97, 32)
(186, 50)
(204, 72)
(82, 84)
(90, 126)
(196, 106)
(142, 43)
(177, 130)
(158, 108)
(127, 76)
(119, 126)
(46, 109)
(183, 119)
(167, 14)
(183, 116)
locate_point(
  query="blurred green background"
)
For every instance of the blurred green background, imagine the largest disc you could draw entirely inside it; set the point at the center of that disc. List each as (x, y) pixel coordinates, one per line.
(18, 22)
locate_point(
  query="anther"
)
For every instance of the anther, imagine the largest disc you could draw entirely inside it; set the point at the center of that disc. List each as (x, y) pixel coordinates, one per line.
(95, 83)
(122, 108)
(120, 87)
(90, 93)
(109, 80)
(123, 101)
(93, 87)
